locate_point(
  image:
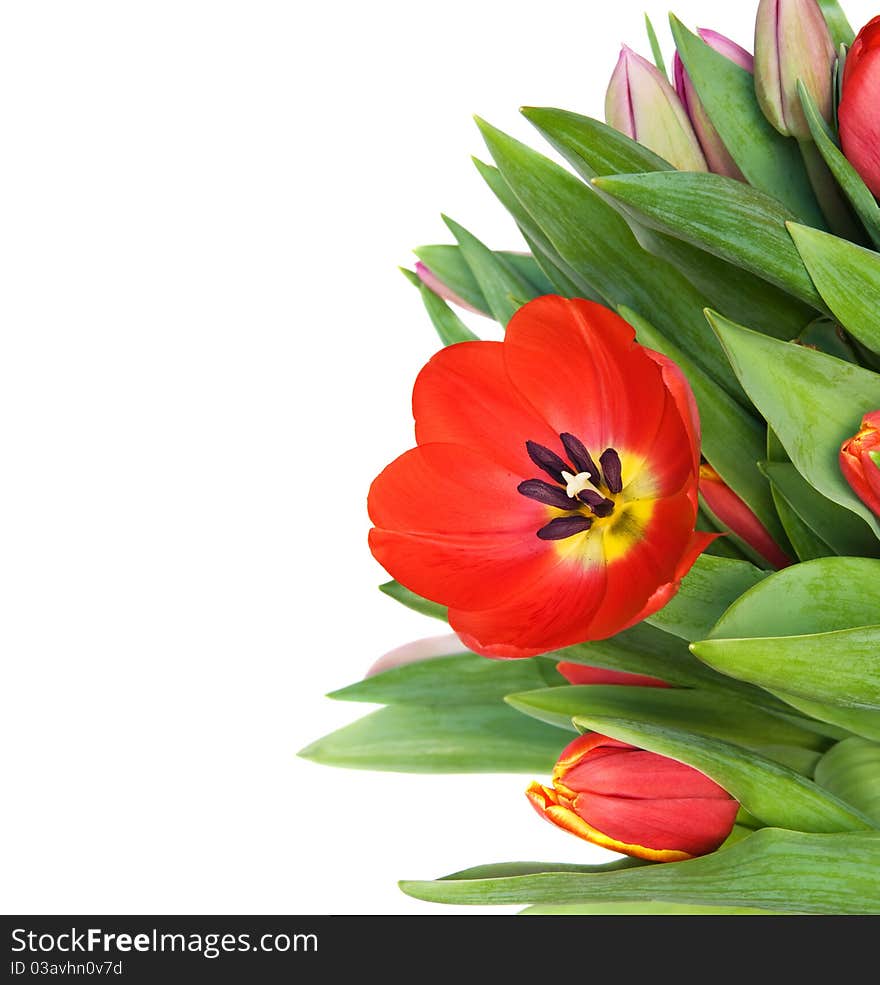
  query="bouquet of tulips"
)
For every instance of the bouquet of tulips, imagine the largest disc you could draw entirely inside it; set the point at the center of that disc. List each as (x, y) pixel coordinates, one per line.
(651, 514)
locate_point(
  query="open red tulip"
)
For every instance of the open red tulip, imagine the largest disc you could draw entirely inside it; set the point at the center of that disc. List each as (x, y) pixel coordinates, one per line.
(552, 497)
(635, 802)
(859, 111)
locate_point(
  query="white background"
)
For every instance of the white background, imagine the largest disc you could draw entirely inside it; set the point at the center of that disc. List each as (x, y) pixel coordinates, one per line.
(207, 355)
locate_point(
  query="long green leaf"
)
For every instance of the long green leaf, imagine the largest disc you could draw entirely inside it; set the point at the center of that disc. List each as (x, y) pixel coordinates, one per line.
(851, 771)
(457, 679)
(840, 668)
(593, 239)
(565, 278)
(639, 909)
(838, 25)
(709, 588)
(848, 278)
(404, 596)
(732, 440)
(783, 871)
(812, 401)
(771, 163)
(444, 739)
(857, 721)
(721, 716)
(655, 45)
(776, 795)
(596, 150)
(842, 531)
(735, 222)
(504, 289)
(845, 174)
(824, 596)
(446, 322)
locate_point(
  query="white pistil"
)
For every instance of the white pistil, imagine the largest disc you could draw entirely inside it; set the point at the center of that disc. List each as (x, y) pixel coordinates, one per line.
(575, 484)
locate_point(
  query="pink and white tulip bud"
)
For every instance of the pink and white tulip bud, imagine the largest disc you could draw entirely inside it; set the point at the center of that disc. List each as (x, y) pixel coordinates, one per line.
(643, 105)
(717, 156)
(433, 283)
(792, 42)
(415, 652)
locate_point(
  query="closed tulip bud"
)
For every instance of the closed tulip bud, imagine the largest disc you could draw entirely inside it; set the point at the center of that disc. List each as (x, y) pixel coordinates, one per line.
(738, 518)
(716, 154)
(643, 105)
(581, 674)
(859, 111)
(860, 462)
(433, 283)
(792, 42)
(635, 802)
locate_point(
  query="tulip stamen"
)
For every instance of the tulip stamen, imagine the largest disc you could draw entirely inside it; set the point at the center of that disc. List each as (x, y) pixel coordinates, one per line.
(573, 490)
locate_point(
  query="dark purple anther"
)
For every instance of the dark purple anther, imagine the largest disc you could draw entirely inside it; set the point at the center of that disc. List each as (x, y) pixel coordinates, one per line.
(547, 460)
(600, 506)
(547, 494)
(564, 527)
(576, 451)
(612, 470)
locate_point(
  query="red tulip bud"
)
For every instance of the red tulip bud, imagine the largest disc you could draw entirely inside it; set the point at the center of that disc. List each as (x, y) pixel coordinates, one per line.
(433, 283)
(581, 674)
(860, 461)
(716, 153)
(738, 518)
(859, 111)
(635, 802)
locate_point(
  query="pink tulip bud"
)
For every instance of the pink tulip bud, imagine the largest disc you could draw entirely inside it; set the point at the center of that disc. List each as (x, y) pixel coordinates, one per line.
(643, 105)
(418, 650)
(433, 283)
(792, 42)
(635, 802)
(738, 518)
(716, 154)
(859, 111)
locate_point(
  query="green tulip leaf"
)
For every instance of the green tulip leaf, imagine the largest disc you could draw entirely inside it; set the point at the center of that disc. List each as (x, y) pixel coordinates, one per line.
(841, 531)
(782, 871)
(771, 163)
(565, 279)
(446, 322)
(505, 290)
(773, 793)
(807, 545)
(457, 679)
(849, 180)
(838, 25)
(812, 401)
(839, 668)
(442, 739)
(608, 257)
(656, 50)
(638, 909)
(405, 597)
(857, 721)
(709, 713)
(722, 216)
(848, 278)
(596, 150)
(709, 588)
(851, 771)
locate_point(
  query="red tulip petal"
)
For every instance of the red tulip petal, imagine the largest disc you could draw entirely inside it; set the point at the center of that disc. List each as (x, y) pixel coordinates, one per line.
(452, 527)
(859, 122)
(637, 774)
(578, 364)
(692, 825)
(579, 674)
(677, 384)
(464, 396)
